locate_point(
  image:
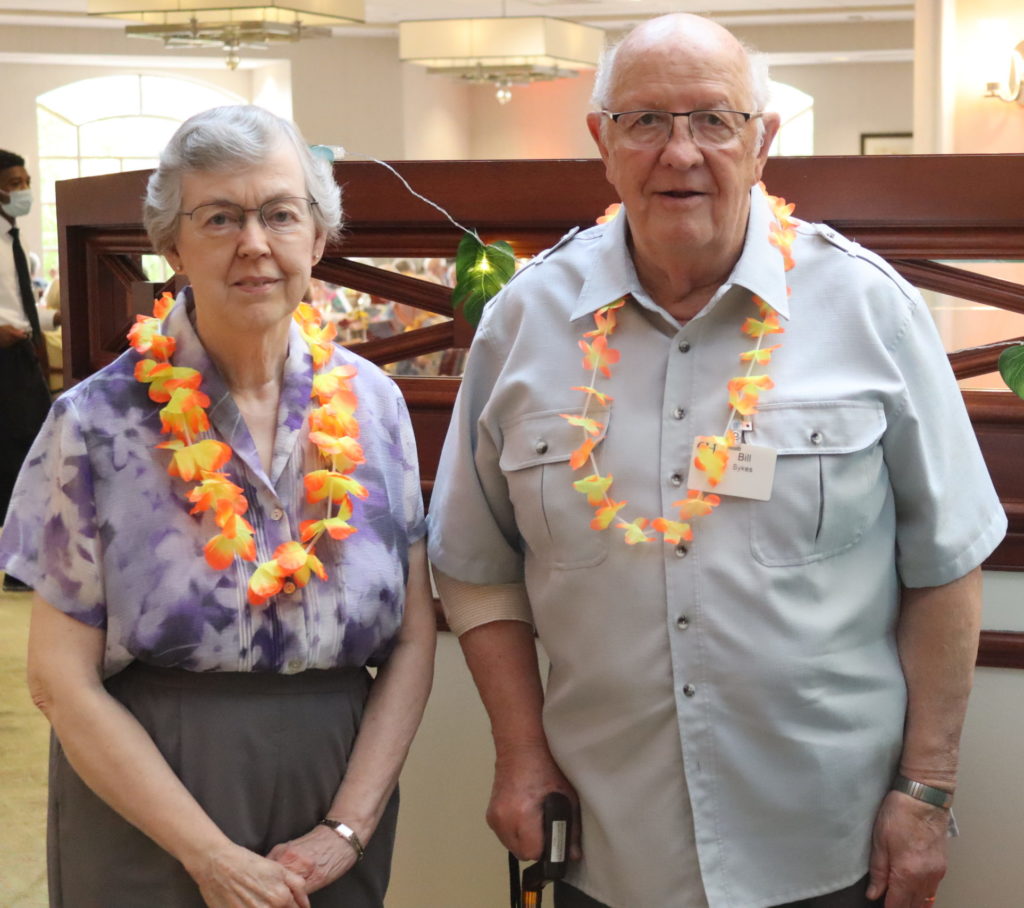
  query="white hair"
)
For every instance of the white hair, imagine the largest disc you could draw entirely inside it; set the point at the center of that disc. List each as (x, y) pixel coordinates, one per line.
(224, 139)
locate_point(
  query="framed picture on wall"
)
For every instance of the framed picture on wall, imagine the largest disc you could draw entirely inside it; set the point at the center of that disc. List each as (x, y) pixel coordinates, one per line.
(886, 143)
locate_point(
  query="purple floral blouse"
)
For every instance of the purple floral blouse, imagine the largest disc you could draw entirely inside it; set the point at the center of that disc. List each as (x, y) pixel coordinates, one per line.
(102, 532)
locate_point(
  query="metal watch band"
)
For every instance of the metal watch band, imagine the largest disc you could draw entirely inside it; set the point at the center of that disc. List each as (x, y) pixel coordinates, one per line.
(937, 797)
(347, 833)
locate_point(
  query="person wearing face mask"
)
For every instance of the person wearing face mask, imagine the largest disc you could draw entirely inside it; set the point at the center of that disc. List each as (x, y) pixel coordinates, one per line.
(24, 397)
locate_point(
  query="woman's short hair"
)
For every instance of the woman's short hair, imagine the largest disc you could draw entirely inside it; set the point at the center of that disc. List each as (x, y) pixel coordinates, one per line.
(224, 139)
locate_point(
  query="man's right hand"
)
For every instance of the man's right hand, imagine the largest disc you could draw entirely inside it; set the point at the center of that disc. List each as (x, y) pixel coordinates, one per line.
(524, 774)
(9, 335)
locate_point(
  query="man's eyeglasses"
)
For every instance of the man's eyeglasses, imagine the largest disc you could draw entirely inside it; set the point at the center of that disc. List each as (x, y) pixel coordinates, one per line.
(222, 219)
(651, 129)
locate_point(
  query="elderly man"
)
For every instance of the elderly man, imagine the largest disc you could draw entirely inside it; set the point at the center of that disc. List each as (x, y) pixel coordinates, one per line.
(24, 393)
(746, 528)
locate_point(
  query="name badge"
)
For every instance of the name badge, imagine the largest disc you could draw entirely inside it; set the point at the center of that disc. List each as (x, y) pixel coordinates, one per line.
(749, 473)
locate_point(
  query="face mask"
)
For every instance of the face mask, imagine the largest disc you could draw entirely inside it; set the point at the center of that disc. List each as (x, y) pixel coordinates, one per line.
(20, 203)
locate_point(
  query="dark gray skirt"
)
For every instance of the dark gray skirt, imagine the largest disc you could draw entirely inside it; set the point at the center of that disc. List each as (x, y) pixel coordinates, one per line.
(263, 754)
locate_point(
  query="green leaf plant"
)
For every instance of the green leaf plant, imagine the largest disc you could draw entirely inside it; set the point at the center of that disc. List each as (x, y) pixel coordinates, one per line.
(481, 270)
(1011, 368)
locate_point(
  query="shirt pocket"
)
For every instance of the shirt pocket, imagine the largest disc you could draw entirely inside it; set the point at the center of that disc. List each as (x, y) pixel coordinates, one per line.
(831, 481)
(551, 516)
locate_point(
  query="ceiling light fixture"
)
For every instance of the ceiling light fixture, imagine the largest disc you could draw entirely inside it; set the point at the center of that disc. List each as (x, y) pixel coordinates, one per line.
(502, 51)
(229, 24)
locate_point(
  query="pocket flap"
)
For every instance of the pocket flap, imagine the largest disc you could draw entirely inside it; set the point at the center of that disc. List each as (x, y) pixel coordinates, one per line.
(820, 427)
(545, 437)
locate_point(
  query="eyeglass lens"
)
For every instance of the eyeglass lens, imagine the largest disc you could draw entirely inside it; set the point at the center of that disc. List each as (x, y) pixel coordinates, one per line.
(652, 128)
(277, 215)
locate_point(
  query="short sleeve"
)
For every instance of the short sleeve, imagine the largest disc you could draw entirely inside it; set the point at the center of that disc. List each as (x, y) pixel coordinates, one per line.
(413, 519)
(948, 515)
(51, 537)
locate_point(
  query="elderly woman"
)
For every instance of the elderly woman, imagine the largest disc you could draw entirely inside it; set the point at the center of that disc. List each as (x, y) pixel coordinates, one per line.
(224, 530)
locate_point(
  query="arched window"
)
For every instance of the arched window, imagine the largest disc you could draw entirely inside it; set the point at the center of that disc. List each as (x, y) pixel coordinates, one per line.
(796, 135)
(107, 125)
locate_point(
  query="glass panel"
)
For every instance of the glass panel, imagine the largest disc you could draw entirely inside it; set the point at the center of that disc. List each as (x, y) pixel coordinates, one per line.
(53, 169)
(361, 316)
(94, 167)
(126, 137)
(156, 268)
(180, 98)
(56, 135)
(139, 163)
(93, 99)
(48, 212)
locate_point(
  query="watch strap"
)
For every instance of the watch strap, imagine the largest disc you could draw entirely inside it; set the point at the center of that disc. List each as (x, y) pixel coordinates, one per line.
(937, 797)
(347, 833)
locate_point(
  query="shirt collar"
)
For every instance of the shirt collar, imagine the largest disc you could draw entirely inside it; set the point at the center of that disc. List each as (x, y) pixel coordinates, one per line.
(759, 268)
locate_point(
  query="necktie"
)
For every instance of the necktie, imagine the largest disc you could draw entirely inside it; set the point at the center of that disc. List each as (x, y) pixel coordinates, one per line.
(28, 298)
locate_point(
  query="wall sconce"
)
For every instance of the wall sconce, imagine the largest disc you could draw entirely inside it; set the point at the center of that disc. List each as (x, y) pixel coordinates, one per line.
(1013, 89)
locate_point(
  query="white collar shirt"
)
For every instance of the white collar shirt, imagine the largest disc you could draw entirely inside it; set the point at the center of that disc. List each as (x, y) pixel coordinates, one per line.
(730, 710)
(11, 311)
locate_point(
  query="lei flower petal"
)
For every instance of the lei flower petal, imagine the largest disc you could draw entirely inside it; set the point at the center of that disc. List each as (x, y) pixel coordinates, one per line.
(674, 531)
(192, 461)
(595, 487)
(634, 530)
(606, 514)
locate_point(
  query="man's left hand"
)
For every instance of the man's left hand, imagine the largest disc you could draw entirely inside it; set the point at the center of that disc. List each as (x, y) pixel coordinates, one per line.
(908, 852)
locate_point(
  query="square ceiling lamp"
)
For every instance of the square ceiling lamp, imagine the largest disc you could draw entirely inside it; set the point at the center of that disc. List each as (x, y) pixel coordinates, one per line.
(502, 51)
(230, 24)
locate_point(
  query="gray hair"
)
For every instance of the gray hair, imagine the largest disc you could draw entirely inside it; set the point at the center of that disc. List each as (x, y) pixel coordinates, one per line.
(226, 138)
(757, 74)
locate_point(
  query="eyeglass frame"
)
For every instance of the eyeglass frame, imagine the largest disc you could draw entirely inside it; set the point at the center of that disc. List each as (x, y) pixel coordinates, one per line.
(259, 211)
(747, 117)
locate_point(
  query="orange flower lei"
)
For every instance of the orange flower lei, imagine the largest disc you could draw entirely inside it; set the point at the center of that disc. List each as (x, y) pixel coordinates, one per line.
(712, 458)
(334, 431)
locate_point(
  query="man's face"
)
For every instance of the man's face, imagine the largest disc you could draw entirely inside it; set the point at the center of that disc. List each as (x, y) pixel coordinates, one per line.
(680, 194)
(11, 180)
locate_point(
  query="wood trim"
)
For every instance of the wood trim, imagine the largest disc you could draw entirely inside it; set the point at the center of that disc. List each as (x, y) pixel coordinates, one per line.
(1000, 649)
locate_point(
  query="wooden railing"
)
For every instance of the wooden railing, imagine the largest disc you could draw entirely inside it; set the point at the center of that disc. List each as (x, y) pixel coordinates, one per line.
(919, 212)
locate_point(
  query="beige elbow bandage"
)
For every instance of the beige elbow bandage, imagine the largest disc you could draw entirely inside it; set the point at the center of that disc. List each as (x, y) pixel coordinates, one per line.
(468, 605)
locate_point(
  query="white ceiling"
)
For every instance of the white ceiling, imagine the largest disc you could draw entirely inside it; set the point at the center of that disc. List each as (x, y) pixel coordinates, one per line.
(608, 14)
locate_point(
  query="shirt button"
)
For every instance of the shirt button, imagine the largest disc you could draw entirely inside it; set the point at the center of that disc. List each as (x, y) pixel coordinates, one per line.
(682, 622)
(681, 551)
(676, 479)
(678, 413)
(277, 514)
(540, 446)
(684, 346)
(295, 665)
(689, 690)
(817, 438)
(288, 588)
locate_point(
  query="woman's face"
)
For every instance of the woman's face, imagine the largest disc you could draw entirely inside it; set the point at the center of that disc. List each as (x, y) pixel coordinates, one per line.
(249, 279)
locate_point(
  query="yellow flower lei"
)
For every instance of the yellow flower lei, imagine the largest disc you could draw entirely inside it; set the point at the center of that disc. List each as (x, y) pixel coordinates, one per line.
(712, 458)
(334, 431)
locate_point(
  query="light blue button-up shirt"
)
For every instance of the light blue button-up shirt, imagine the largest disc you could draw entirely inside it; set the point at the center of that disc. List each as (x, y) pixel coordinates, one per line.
(103, 533)
(730, 710)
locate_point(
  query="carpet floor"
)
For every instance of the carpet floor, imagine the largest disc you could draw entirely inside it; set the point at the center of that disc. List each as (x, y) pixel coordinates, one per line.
(24, 742)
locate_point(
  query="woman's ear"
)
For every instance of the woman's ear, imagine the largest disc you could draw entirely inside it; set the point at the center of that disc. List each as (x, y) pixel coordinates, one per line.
(173, 259)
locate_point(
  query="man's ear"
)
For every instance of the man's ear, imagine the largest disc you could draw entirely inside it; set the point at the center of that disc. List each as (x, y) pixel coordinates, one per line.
(772, 122)
(594, 122)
